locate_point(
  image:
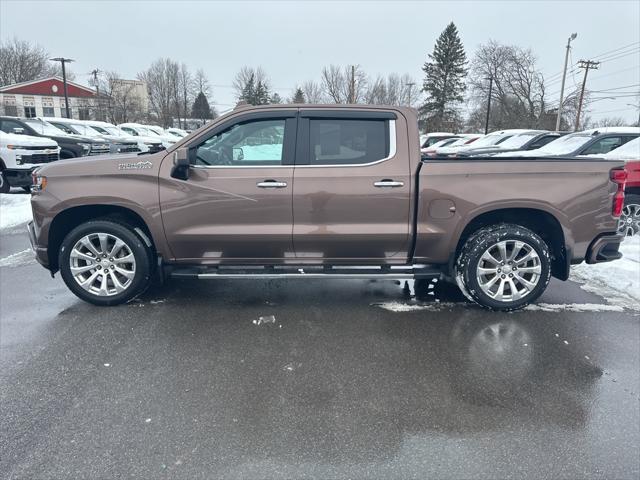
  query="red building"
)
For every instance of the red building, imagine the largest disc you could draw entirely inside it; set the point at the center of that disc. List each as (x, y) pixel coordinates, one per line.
(45, 98)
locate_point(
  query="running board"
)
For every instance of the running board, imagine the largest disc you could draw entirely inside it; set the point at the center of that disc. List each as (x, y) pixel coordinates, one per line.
(339, 272)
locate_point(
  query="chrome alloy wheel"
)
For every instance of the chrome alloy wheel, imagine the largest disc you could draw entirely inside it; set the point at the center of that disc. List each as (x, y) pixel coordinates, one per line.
(629, 223)
(102, 264)
(509, 270)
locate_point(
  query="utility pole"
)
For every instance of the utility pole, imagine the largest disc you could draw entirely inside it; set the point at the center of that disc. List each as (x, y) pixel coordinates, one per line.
(352, 85)
(410, 85)
(637, 107)
(587, 65)
(564, 76)
(63, 60)
(486, 123)
(95, 73)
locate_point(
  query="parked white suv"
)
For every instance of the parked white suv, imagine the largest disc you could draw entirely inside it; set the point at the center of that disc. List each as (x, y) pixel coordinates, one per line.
(20, 155)
(144, 144)
(137, 129)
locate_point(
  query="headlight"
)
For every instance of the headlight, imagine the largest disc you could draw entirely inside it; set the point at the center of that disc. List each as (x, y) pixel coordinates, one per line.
(15, 147)
(38, 182)
(86, 147)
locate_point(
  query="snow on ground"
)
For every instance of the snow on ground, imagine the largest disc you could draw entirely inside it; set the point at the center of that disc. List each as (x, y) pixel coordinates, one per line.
(18, 259)
(14, 209)
(618, 281)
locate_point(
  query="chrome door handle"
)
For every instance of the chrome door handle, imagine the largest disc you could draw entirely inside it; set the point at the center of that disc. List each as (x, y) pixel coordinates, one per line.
(271, 184)
(388, 183)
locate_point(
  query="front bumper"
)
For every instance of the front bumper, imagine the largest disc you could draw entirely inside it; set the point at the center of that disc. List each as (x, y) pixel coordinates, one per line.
(41, 253)
(604, 248)
(19, 177)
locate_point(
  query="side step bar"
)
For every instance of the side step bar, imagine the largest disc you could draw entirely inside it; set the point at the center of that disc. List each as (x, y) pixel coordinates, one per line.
(392, 273)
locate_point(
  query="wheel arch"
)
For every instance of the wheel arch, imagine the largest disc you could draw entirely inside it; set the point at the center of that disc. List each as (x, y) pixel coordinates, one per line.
(541, 222)
(68, 219)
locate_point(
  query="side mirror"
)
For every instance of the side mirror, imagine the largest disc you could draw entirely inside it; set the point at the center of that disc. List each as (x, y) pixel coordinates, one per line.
(18, 130)
(181, 164)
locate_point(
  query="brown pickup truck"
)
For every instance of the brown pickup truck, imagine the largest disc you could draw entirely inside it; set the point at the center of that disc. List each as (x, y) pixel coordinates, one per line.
(322, 192)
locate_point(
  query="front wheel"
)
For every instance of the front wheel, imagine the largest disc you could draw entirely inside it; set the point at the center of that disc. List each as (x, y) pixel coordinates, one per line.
(105, 263)
(504, 267)
(4, 183)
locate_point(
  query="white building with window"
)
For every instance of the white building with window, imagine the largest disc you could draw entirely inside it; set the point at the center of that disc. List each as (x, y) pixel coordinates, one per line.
(45, 98)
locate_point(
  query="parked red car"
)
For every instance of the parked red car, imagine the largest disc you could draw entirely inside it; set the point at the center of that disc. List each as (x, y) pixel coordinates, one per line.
(630, 219)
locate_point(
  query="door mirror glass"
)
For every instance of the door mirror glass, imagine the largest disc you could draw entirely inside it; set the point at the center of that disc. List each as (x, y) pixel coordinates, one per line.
(180, 167)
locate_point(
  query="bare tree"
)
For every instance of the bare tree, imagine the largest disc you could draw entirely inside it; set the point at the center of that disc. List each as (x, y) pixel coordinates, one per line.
(118, 100)
(313, 92)
(346, 85)
(162, 79)
(610, 122)
(518, 92)
(22, 61)
(201, 83)
(393, 90)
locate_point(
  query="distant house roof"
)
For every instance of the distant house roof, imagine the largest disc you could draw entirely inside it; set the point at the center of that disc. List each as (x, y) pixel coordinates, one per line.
(51, 86)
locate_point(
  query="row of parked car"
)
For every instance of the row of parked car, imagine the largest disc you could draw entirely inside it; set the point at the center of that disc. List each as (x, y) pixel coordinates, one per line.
(615, 143)
(26, 143)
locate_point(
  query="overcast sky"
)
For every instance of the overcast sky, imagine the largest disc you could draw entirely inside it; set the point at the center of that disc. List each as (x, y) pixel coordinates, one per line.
(293, 40)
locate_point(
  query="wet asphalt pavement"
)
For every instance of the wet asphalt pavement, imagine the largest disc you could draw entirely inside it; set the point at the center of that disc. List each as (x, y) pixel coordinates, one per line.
(189, 382)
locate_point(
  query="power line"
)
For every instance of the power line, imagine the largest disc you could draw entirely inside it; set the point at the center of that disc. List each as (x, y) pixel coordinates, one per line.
(615, 50)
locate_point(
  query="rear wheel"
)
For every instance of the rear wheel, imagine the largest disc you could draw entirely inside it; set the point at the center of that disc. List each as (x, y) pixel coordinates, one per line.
(504, 267)
(629, 223)
(105, 263)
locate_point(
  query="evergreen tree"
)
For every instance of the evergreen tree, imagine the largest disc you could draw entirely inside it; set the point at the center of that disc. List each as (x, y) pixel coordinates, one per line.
(444, 81)
(261, 95)
(298, 97)
(275, 98)
(201, 108)
(249, 91)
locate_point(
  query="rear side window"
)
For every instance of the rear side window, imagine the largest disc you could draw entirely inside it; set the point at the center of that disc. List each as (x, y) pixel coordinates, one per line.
(605, 145)
(347, 142)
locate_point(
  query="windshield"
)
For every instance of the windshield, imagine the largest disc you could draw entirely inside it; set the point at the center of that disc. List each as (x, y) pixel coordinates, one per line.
(116, 131)
(518, 141)
(44, 128)
(83, 129)
(564, 145)
(146, 131)
(491, 139)
(101, 130)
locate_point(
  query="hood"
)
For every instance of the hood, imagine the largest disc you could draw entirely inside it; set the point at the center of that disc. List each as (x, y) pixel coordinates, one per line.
(75, 138)
(26, 140)
(117, 164)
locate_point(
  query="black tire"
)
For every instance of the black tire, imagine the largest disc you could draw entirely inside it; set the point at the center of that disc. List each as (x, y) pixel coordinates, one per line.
(26, 189)
(476, 246)
(142, 255)
(4, 184)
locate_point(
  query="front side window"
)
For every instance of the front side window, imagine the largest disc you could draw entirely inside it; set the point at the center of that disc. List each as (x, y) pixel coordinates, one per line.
(64, 128)
(253, 143)
(9, 126)
(130, 131)
(604, 145)
(347, 142)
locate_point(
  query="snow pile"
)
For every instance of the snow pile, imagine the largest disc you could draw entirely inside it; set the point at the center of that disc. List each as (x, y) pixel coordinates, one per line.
(573, 307)
(618, 281)
(14, 209)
